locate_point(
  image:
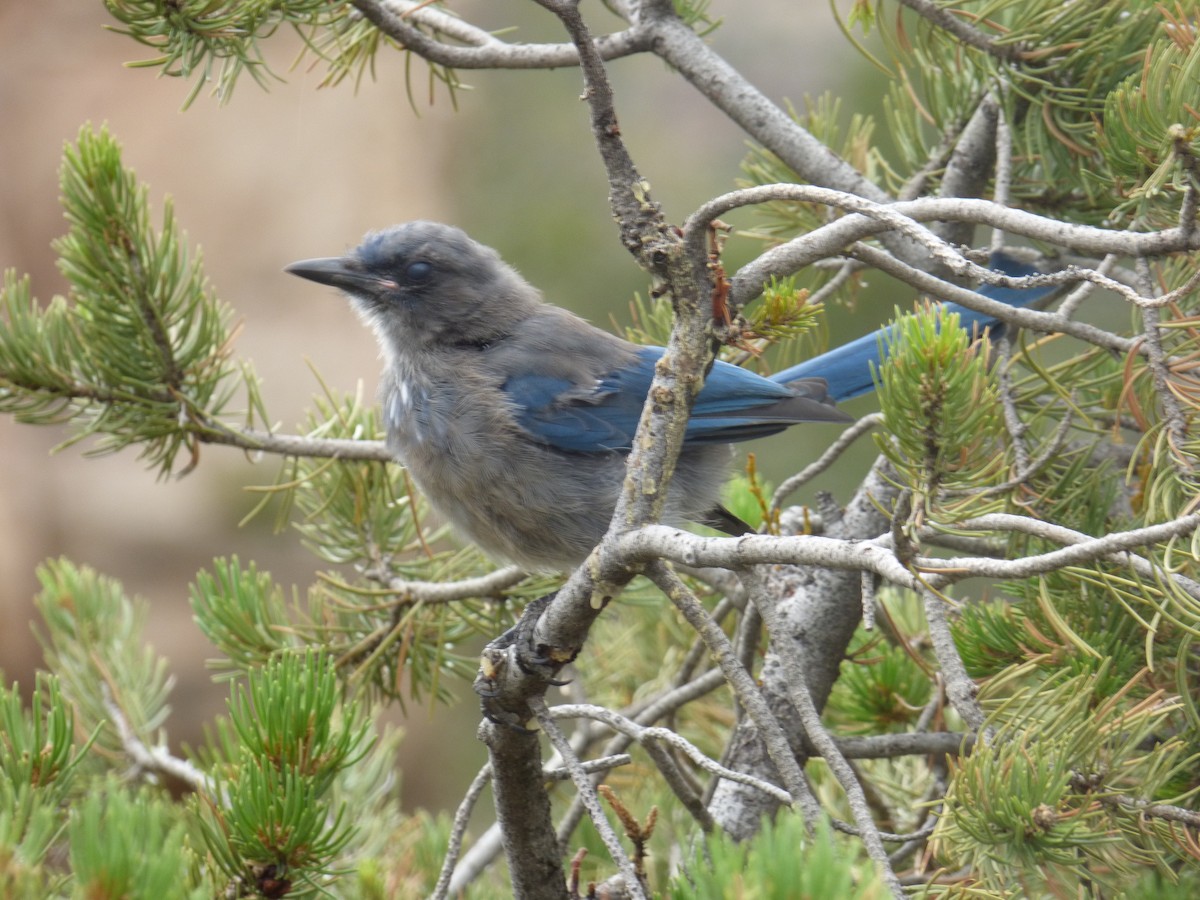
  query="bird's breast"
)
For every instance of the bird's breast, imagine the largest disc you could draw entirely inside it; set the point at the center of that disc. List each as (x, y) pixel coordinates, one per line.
(450, 422)
(405, 408)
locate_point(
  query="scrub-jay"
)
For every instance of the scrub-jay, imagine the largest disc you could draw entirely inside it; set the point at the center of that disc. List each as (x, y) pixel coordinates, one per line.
(515, 417)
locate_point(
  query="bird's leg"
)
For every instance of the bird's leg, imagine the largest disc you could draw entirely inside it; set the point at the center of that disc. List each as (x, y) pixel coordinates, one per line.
(536, 660)
(531, 657)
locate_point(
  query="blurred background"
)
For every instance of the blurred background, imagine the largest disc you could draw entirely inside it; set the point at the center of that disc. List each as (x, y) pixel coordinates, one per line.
(300, 172)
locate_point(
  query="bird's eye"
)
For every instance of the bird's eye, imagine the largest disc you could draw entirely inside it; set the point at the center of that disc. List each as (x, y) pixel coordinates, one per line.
(419, 272)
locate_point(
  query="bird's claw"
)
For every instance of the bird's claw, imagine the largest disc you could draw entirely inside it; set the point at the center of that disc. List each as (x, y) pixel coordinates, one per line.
(539, 661)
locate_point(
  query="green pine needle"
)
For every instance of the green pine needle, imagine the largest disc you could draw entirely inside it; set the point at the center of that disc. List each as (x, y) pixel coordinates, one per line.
(941, 412)
(139, 352)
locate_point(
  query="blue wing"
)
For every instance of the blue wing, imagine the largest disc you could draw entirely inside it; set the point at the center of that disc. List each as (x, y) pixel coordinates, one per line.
(734, 405)
(558, 412)
(848, 368)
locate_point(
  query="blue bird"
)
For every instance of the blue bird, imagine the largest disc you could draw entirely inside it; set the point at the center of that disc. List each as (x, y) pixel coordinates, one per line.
(848, 368)
(515, 417)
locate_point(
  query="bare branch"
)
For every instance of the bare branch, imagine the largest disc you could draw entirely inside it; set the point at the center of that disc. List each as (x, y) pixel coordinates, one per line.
(644, 231)
(489, 585)
(649, 735)
(798, 692)
(479, 49)
(960, 689)
(743, 686)
(832, 239)
(299, 445)
(662, 542)
(747, 106)
(591, 800)
(1165, 811)
(887, 746)
(1002, 182)
(154, 761)
(1081, 551)
(826, 459)
(1060, 535)
(969, 168)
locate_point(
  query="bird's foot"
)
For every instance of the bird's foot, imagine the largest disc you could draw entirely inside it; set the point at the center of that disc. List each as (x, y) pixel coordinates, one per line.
(539, 661)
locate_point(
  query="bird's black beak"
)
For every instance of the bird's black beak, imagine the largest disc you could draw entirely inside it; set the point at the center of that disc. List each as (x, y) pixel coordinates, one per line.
(343, 272)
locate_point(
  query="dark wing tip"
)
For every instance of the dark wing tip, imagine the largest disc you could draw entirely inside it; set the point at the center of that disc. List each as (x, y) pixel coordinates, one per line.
(812, 402)
(721, 519)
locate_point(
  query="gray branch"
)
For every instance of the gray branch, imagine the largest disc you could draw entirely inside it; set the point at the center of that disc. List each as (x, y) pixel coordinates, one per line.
(873, 218)
(477, 48)
(523, 811)
(963, 31)
(794, 664)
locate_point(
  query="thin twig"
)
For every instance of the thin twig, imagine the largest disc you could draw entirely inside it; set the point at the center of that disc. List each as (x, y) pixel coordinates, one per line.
(928, 819)
(591, 800)
(1156, 358)
(889, 836)
(1085, 289)
(1165, 811)
(698, 651)
(1012, 418)
(1026, 468)
(479, 49)
(826, 459)
(458, 830)
(788, 653)
(154, 760)
(649, 735)
(960, 689)
(743, 685)
(681, 785)
(747, 638)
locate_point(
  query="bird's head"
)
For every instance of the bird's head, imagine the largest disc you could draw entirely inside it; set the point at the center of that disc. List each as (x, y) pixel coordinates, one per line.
(424, 284)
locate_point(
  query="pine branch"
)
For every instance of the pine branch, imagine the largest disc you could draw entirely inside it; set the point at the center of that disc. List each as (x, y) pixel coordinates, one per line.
(964, 32)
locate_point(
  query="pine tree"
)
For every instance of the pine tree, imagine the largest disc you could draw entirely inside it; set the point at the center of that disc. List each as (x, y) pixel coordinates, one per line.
(973, 677)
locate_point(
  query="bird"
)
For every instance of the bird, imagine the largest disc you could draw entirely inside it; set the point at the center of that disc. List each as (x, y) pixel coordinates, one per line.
(515, 417)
